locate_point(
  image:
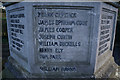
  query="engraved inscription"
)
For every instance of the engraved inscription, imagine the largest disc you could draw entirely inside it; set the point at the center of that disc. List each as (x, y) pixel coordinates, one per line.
(105, 31)
(16, 28)
(62, 35)
(58, 69)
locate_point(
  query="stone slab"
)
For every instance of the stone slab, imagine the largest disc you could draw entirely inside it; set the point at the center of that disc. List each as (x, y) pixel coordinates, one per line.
(56, 40)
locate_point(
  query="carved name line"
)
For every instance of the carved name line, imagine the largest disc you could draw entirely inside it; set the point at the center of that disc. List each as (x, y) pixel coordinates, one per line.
(53, 36)
(50, 50)
(53, 29)
(60, 43)
(51, 14)
(58, 69)
(62, 22)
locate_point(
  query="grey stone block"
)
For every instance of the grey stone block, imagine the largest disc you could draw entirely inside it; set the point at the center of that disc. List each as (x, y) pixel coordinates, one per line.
(61, 39)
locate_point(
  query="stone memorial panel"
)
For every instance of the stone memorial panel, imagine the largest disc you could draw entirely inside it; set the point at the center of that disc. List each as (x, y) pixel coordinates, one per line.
(63, 34)
(107, 20)
(61, 39)
(17, 30)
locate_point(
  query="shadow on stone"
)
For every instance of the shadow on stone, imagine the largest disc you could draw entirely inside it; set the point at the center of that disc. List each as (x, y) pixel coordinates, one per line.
(116, 51)
(116, 55)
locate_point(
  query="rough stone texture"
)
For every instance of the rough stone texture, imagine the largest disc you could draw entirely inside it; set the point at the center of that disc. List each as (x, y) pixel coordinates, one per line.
(86, 57)
(18, 72)
(108, 70)
(118, 72)
(111, 70)
(13, 67)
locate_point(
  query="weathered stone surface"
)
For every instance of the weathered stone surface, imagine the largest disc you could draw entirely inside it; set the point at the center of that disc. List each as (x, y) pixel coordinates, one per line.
(68, 40)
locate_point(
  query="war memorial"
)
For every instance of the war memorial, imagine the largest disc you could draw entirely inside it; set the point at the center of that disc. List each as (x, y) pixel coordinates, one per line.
(61, 39)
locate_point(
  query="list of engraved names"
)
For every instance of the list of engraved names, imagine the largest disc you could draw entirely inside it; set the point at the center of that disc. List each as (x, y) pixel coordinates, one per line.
(61, 33)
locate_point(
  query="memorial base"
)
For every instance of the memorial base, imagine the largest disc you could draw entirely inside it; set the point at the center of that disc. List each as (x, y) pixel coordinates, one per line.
(107, 71)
